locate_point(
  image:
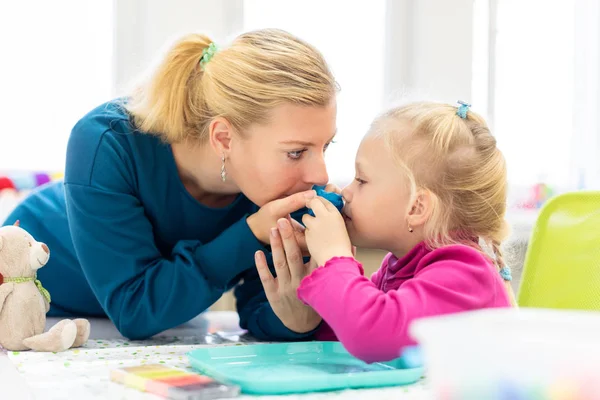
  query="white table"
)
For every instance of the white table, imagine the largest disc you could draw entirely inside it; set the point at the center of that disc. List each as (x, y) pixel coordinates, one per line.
(84, 373)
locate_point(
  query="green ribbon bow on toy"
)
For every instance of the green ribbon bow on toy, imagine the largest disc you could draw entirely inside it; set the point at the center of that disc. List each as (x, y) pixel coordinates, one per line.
(42, 290)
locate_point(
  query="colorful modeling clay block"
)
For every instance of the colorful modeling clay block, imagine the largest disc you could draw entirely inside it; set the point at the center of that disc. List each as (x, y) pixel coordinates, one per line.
(172, 383)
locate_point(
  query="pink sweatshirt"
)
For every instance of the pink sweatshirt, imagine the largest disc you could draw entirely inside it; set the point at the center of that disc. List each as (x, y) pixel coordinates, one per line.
(371, 317)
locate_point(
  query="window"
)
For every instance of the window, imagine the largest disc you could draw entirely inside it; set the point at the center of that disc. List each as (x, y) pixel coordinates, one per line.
(542, 88)
(57, 64)
(534, 89)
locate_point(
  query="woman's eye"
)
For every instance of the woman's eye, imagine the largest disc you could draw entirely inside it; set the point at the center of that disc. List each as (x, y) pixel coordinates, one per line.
(295, 155)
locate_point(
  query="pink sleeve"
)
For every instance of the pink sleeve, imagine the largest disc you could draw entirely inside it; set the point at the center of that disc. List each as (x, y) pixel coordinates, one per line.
(373, 325)
(325, 333)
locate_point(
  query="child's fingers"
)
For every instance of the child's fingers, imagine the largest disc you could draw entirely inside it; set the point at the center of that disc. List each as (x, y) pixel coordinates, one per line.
(298, 227)
(301, 240)
(299, 232)
(307, 220)
(269, 283)
(328, 204)
(318, 206)
(279, 260)
(293, 253)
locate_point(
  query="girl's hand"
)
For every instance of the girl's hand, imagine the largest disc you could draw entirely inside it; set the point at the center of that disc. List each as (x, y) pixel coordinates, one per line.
(326, 234)
(290, 269)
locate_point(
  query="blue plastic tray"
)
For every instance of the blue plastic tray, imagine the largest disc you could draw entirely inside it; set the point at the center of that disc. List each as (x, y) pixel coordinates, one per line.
(297, 368)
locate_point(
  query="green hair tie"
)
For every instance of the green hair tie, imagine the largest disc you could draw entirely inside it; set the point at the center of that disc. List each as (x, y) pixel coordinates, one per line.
(207, 54)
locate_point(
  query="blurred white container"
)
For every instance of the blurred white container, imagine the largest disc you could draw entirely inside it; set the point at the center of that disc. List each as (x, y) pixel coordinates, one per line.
(512, 354)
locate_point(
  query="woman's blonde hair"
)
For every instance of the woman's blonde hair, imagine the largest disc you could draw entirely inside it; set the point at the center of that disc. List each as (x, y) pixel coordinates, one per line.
(242, 83)
(457, 161)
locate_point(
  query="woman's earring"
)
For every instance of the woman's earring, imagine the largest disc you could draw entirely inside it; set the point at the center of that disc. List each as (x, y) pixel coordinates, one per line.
(223, 172)
(410, 229)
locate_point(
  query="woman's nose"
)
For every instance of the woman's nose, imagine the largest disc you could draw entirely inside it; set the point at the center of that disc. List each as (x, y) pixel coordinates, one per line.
(317, 174)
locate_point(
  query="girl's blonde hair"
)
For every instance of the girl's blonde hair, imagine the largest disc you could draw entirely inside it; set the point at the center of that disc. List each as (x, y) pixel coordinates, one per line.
(457, 161)
(242, 83)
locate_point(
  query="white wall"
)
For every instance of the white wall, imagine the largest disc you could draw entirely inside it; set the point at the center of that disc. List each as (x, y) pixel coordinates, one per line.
(428, 46)
(144, 27)
(430, 50)
(429, 41)
(586, 144)
(56, 60)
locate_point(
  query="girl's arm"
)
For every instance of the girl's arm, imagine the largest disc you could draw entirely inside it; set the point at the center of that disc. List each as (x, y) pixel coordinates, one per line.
(373, 325)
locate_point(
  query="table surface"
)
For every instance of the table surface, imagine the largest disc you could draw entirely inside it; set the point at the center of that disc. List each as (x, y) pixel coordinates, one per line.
(84, 373)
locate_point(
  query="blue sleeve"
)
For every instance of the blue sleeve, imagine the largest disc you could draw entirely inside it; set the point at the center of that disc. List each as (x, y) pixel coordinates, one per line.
(256, 314)
(141, 290)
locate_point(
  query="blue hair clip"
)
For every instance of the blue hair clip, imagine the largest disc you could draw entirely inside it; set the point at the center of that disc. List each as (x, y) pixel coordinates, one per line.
(506, 274)
(462, 109)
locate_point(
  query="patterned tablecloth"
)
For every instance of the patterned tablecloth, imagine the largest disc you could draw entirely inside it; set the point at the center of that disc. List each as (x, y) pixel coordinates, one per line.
(84, 373)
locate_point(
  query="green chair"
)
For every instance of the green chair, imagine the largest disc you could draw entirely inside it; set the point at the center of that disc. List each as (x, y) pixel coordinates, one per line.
(562, 264)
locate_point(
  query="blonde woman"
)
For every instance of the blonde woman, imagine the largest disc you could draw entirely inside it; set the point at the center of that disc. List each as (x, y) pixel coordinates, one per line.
(168, 193)
(430, 186)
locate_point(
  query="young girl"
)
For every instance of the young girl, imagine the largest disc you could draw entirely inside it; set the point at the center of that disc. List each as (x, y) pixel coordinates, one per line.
(430, 185)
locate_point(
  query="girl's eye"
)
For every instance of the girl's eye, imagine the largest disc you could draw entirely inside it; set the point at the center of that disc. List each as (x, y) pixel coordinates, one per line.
(295, 155)
(360, 181)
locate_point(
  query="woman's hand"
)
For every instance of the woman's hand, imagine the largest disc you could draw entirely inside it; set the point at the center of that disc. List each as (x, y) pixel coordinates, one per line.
(326, 234)
(290, 269)
(263, 220)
